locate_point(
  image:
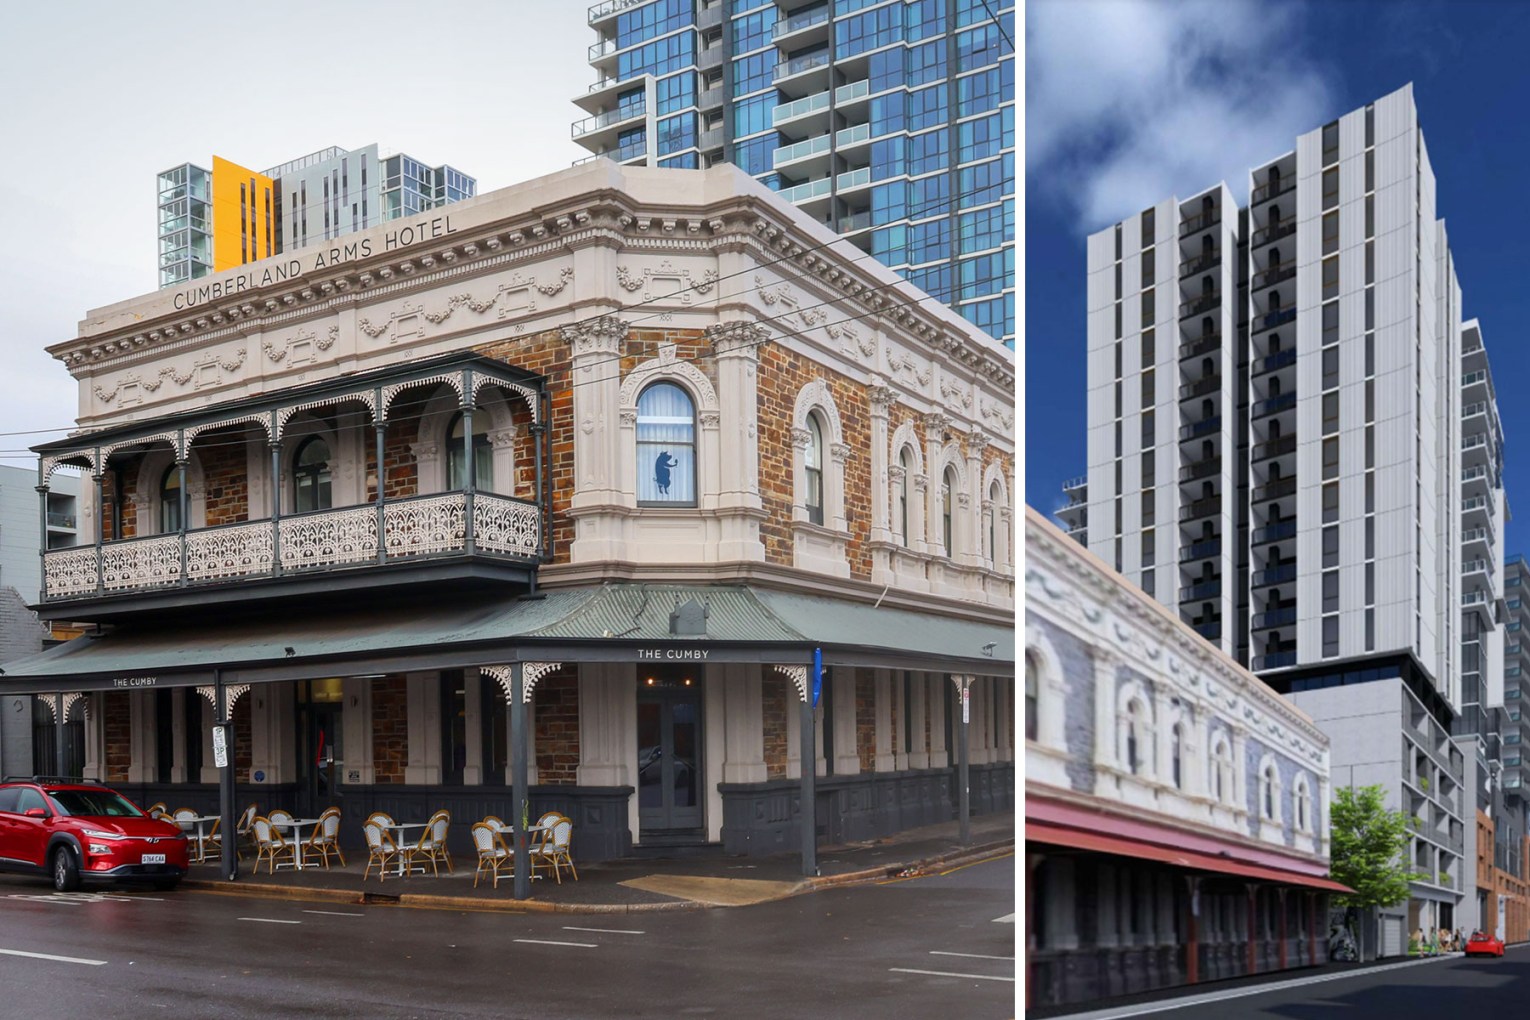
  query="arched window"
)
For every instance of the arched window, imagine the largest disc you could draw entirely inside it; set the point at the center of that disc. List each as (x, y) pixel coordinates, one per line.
(170, 501)
(1269, 792)
(1032, 697)
(483, 455)
(812, 462)
(310, 476)
(947, 487)
(1176, 756)
(906, 462)
(1136, 747)
(1301, 805)
(993, 527)
(666, 446)
(1221, 771)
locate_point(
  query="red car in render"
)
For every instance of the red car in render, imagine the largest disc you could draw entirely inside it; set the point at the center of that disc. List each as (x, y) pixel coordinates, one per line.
(1483, 944)
(71, 831)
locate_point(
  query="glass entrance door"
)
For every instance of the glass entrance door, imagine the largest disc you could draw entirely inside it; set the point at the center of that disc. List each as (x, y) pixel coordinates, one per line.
(669, 752)
(319, 754)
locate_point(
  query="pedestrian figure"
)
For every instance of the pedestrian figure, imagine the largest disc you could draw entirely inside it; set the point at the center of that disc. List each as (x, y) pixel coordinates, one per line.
(1460, 941)
(661, 469)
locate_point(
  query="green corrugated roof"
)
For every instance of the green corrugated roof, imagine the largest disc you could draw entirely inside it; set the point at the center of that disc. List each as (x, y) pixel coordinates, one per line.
(609, 618)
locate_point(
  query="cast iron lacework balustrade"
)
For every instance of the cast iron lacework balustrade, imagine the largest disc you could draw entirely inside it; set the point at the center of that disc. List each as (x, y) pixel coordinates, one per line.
(329, 538)
(433, 525)
(418, 526)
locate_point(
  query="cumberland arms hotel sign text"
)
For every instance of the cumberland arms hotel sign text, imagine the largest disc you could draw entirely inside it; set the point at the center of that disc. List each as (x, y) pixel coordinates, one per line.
(311, 260)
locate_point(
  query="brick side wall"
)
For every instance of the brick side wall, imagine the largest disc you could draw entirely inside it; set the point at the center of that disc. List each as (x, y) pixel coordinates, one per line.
(244, 738)
(556, 712)
(401, 472)
(775, 706)
(117, 726)
(782, 376)
(390, 729)
(866, 719)
(226, 476)
(547, 355)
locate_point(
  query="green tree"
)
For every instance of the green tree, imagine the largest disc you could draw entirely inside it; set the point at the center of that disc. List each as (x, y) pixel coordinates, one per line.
(1369, 847)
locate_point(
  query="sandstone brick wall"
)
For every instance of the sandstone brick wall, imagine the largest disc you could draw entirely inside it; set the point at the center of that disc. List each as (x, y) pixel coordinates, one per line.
(244, 737)
(547, 355)
(117, 726)
(390, 728)
(866, 719)
(776, 695)
(226, 476)
(401, 477)
(782, 376)
(556, 712)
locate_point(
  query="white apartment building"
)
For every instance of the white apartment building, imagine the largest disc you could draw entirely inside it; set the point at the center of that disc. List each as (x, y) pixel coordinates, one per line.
(1275, 436)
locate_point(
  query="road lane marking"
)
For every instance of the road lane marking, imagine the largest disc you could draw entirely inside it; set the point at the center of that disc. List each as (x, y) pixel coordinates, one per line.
(334, 913)
(45, 898)
(607, 931)
(969, 864)
(55, 959)
(975, 956)
(549, 942)
(947, 973)
(269, 920)
(1006, 919)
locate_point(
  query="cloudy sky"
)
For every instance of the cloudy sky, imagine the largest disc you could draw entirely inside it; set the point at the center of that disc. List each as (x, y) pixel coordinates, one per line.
(101, 96)
(1131, 101)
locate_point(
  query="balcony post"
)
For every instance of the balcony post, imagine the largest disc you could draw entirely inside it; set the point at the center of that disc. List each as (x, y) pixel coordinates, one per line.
(42, 547)
(276, 499)
(539, 432)
(181, 456)
(469, 465)
(96, 474)
(381, 426)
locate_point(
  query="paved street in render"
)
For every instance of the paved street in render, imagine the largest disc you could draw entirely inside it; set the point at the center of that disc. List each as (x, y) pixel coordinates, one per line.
(900, 951)
(1428, 990)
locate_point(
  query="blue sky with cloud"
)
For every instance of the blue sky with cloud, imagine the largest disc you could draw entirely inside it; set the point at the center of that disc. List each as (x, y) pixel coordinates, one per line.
(1129, 101)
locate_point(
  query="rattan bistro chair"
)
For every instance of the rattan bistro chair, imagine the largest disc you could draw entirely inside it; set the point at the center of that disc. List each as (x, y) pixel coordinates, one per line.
(381, 850)
(553, 849)
(326, 837)
(492, 853)
(427, 849)
(244, 830)
(271, 845)
(440, 822)
(156, 810)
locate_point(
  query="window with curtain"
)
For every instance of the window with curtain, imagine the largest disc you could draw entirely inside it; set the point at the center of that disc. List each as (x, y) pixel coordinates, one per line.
(170, 501)
(483, 455)
(947, 486)
(812, 459)
(310, 476)
(1032, 698)
(907, 464)
(666, 446)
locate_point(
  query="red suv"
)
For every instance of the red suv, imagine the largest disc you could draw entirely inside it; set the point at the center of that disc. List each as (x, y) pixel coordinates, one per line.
(74, 830)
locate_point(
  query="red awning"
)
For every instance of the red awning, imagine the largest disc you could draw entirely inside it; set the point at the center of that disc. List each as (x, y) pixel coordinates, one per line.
(1041, 832)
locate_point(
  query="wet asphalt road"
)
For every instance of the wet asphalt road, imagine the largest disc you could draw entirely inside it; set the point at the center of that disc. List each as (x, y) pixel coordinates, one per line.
(909, 950)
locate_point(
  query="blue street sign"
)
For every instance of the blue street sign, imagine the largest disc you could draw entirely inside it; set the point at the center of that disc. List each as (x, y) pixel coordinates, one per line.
(817, 675)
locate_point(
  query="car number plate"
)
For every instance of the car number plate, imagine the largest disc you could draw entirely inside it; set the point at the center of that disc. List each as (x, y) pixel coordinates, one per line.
(154, 858)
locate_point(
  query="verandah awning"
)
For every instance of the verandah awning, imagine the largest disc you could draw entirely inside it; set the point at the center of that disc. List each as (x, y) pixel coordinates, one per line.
(611, 623)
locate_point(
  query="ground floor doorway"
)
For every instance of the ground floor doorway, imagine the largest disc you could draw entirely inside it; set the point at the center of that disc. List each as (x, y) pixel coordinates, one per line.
(669, 739)
(319, 745)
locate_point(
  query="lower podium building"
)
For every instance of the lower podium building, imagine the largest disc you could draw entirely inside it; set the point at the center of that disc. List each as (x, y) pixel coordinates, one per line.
(1176, 808)
(549, 500)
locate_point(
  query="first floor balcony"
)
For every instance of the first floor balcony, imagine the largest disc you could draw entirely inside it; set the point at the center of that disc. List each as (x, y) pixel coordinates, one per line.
(366, 484)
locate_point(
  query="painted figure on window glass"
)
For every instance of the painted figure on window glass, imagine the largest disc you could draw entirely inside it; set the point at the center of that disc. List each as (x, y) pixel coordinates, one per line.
(661, 469)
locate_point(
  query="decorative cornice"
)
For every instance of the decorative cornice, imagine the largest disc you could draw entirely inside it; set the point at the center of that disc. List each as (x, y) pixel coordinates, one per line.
(603, 334)
(737, 337)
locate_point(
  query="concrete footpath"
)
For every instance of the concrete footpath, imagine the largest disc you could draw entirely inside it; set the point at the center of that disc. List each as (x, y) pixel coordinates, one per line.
(680, 880)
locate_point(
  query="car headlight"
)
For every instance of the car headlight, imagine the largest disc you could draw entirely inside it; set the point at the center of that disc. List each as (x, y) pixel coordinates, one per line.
(100, 848)
(97, 834)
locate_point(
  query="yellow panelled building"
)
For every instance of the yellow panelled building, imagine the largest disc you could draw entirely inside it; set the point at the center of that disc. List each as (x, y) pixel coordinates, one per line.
(244, 215)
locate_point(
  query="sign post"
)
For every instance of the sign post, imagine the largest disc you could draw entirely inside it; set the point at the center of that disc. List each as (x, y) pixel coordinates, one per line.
(229, 844)
(964, 685)
(809, 795)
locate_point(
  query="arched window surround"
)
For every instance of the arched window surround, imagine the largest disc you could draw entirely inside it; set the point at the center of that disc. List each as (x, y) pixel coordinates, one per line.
(671, 368)
(1301, 805)
(815, 403)
(430, 447)
(147, 501)
(1222, 773)
(313, 475)
(1269, 804)
(952, 472)
(910, 481)
(1136, 743)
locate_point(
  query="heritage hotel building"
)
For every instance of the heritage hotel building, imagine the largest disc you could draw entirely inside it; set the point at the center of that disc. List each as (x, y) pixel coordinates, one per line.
(608, 455)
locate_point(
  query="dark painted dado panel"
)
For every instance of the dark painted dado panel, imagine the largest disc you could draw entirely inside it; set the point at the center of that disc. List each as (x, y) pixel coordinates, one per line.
(765, 818)
(599, 813)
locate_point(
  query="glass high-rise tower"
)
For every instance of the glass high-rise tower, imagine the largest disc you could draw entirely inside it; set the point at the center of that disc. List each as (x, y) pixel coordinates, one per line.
(891, 122)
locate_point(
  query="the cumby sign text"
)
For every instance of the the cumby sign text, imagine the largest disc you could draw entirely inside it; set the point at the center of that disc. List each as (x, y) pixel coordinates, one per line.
(314, 259)
(650, 654)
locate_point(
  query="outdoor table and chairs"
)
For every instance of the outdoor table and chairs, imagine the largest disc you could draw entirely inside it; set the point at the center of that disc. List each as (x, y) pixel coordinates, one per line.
(271, 843)
(195, 826)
